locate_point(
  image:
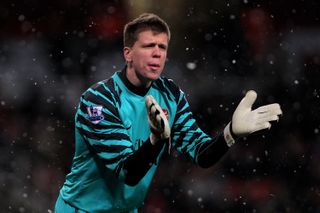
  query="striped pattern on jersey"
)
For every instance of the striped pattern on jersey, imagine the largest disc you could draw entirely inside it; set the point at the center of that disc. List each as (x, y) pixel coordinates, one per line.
(186, 135)
(108, 138)
(96, 181)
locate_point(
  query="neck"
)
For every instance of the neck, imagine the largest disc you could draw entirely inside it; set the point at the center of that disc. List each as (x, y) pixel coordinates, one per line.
(135, 79)
(142, 91)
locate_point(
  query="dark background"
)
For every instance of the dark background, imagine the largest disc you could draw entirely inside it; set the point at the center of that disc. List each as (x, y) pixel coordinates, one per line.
(51, 51)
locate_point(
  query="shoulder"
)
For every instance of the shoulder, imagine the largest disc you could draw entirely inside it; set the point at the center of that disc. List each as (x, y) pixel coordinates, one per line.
(101, 97)
(106, 89)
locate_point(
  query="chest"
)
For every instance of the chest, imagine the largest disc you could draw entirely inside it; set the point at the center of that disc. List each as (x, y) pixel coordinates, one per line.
(134, 116)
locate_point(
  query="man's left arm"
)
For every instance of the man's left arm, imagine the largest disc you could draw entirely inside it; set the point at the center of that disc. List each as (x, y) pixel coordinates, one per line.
(244, 122)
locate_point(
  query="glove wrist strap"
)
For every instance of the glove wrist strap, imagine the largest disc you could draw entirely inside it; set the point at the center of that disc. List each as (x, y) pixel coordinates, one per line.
(228, 136)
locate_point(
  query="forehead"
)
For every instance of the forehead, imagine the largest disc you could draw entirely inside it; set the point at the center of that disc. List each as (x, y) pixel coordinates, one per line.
(152, 36)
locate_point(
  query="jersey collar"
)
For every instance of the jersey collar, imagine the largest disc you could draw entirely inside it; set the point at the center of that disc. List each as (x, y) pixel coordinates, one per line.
(136, 90)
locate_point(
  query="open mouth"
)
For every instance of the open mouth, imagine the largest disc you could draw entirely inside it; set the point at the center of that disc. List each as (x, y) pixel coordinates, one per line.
(154, 66)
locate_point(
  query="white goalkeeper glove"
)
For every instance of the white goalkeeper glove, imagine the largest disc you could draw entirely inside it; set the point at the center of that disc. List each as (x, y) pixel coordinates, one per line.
(158, 121)
(246, 121)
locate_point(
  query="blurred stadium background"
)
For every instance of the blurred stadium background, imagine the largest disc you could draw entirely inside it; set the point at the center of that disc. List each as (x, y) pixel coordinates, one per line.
(51, 51)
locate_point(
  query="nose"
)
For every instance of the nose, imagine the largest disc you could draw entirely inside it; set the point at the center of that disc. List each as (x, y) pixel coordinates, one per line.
(156, 52)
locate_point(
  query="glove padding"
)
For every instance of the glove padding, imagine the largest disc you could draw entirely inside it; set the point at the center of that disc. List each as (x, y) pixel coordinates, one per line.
(246, 121)
(158, 121)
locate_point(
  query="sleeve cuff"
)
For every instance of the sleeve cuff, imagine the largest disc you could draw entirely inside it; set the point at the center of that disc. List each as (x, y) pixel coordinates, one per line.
(228, 136)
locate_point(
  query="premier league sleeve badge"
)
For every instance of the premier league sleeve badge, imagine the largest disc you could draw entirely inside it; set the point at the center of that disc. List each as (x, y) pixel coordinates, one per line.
(95, 114)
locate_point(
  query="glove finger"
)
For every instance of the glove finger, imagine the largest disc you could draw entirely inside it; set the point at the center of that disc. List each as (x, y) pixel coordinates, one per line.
(152, 124)
(156, 123)
(156, 111)
(268, 118)
(153, 111)
(151, 104)
(248, 100)
(261, 125)
(272, 108)
(157, 119)
(268, 114)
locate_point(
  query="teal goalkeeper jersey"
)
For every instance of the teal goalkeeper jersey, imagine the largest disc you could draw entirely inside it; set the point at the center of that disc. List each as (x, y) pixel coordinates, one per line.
(111, 124)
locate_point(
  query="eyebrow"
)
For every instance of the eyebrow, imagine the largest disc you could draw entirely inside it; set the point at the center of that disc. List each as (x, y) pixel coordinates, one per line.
(152, 44)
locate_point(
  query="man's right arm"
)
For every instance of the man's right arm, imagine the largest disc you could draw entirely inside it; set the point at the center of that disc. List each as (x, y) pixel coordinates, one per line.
(99, 122)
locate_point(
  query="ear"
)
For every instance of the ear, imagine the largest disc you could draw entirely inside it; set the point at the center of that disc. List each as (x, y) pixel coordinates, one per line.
(127, 54)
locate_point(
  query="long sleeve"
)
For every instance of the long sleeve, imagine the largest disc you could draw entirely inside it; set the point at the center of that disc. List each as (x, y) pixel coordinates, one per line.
(137, 164)
(190, 140)
(212, 151)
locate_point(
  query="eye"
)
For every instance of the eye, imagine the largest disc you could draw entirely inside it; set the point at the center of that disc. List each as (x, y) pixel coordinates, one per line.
(149, 45)
(162, 46)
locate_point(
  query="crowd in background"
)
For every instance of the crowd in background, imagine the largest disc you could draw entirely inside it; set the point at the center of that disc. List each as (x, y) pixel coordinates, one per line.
(51, 52)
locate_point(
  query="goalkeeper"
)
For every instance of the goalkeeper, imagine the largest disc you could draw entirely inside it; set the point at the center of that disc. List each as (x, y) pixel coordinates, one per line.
(124, 125)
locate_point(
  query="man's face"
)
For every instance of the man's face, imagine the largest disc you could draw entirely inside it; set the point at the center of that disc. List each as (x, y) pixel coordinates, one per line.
(148, 55)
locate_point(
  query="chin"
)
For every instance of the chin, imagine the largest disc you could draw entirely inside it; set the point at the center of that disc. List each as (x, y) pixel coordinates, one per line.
(153, 76)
